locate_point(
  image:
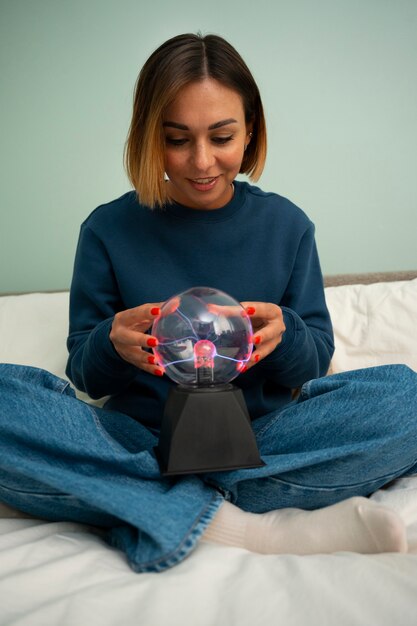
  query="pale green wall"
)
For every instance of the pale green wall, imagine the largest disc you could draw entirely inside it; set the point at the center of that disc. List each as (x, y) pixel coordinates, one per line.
(338, 79)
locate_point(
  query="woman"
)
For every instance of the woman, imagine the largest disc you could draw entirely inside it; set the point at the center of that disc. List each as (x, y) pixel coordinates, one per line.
(198, 122)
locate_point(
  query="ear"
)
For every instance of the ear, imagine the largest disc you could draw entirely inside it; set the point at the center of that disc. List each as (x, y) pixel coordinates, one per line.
(249, 133)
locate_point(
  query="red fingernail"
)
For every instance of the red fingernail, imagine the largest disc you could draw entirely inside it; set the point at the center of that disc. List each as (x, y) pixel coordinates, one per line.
(158, 372)
(244, 368)
(155, 310)
(151, 359)
(257, 357)
(250, 310)
(256, 340)
(152, 342)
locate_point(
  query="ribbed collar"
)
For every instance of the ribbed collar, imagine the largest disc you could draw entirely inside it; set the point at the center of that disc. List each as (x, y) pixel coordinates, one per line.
(210, 215)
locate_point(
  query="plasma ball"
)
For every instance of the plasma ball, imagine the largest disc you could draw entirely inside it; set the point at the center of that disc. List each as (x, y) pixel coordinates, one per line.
(204, 337)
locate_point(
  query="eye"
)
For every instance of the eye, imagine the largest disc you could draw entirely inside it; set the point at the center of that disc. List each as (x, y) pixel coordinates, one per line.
(175, 142)
(222, 140)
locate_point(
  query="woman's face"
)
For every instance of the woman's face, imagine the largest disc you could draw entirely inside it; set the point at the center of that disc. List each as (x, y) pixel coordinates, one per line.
(205, 137)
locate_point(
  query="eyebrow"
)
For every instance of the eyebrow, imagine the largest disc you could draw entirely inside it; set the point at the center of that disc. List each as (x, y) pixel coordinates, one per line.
(230, 120)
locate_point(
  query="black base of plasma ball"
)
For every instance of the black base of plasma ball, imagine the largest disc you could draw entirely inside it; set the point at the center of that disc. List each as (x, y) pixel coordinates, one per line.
(206, 429)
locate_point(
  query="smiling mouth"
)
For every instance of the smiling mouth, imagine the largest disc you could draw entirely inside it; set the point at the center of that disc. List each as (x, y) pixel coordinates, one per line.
(204, 185)
(203, 181)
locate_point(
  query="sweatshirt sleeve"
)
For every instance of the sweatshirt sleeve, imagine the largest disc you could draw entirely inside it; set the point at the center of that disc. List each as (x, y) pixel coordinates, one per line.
(307, 345)
(93, 364)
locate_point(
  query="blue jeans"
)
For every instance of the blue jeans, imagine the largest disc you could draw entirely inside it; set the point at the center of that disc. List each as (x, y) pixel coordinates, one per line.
(60, 458)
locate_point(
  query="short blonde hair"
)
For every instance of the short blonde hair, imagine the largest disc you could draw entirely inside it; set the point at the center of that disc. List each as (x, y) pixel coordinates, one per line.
(176, 63)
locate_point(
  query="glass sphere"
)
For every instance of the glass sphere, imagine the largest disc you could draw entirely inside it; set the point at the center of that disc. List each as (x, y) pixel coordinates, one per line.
(204, 337)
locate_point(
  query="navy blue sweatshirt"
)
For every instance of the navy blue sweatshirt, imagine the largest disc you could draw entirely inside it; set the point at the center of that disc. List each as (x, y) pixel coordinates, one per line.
(259, 247)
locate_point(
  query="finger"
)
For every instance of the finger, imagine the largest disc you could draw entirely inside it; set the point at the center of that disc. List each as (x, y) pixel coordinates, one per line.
(155, 370)
(266, 341)
(141, 316)
(129, 326)
(272, 331)
(256, 357)
(262, 310)
(267, 323)
(153, 366)
(250, 309)
(149, 363)
(170, 306)
(226, 310)
(263, 349)
(142, 360)
(121, 336)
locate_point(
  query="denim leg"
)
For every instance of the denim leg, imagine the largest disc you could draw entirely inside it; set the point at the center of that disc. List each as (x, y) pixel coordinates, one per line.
(348, 434)
(58, 461)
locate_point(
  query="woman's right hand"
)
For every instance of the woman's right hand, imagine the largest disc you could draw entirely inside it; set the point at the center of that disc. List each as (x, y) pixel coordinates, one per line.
(130, 340)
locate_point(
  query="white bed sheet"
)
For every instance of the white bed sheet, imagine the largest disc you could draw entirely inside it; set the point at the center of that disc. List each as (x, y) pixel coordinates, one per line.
(62, 574)
(374, 324)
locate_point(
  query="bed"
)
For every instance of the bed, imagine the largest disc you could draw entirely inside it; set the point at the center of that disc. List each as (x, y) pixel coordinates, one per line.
(63, 574)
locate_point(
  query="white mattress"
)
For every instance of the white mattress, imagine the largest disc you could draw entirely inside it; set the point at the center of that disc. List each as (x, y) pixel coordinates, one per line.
(62, 574)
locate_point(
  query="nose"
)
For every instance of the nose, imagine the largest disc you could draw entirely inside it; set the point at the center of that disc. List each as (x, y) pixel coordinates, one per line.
(203, 156)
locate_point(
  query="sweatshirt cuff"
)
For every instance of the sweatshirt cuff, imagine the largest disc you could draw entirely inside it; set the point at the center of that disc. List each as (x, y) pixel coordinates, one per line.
(103, 352)
(293, 324)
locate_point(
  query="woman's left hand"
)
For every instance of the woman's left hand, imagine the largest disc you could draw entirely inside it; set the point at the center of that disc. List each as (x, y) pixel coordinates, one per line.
(268, 328)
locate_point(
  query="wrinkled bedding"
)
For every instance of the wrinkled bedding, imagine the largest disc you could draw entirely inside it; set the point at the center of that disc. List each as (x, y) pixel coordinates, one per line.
(64, 574)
